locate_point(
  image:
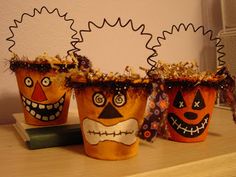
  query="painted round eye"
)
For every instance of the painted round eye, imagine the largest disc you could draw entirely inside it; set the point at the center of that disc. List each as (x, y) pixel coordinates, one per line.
(46, 81)
(28, 82)
(119, 100)
(99, 99)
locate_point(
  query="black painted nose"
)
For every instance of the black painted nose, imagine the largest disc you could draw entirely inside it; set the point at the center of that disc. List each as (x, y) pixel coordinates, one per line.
(190, 115)
(109, 112)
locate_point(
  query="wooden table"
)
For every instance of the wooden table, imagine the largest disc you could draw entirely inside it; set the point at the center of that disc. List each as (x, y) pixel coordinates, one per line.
(214, 157)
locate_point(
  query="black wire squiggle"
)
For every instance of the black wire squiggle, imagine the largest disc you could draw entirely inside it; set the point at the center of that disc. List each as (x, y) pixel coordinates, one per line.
(218, 40)
(16, 22)
(118, 22)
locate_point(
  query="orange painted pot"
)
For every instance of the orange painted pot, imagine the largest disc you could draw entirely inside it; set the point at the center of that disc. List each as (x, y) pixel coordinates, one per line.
(189, 112)
(110, 119)
(44, 97)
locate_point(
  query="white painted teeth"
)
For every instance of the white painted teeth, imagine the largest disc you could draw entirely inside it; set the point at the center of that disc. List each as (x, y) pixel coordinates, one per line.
(192, 130)
(61, 100)
(57, 114)
(45, 118)
(34, 105)
(34, 109)
(52, 117)
(49, 107)
(41, 106)
(27, 108)
(56, 105)
(60, 108)
(38, 116)
(32, 112)
(23, 98)
(28, 102)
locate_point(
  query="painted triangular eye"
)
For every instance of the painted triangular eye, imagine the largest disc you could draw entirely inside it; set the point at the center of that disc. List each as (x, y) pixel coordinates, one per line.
(198, 102)
(179, 101)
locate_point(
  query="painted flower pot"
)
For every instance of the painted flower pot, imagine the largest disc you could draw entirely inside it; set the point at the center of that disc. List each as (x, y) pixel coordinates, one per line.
(189, 112)
(192, 95)
(44, 97)
(110, 117)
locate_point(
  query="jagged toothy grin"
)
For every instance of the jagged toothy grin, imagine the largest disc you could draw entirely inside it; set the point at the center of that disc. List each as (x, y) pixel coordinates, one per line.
(44, 112)
(122, 132)
(188, 130)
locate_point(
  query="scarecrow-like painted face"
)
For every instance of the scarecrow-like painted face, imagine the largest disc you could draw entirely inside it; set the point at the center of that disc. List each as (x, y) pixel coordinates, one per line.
(110, 120)
(189, 113)
(45, 100)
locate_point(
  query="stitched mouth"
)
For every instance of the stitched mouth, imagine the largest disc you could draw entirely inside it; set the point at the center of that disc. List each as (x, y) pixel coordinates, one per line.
(44, 112)
(123, 132)
(188, 130)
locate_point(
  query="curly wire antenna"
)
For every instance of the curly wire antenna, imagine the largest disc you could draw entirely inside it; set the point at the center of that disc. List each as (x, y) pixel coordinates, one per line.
(140, 28)
(39, 11)
(219, 46)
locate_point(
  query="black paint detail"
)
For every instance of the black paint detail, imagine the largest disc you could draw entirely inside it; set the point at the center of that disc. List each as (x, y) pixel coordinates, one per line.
(119, 100)
(190, 115)
(99, 99)
(28, 82)
(179, 101)
(45, 111)
(46, 81)
(109, 112)
(198, 102)
(185, 129)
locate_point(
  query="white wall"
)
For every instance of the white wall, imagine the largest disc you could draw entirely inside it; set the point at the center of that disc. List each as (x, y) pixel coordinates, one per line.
(128, 48)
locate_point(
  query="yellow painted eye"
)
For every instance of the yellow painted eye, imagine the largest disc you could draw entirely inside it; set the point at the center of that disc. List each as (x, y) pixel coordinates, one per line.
(119, 100)
(29, 82)
(99, 99)
(46, 81)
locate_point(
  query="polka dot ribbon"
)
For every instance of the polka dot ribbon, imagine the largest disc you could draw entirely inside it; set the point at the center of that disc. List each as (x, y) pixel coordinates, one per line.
(155, 114)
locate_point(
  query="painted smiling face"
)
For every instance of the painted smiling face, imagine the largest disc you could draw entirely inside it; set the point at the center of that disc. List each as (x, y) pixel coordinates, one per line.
(189, 113)
(110, 120)
(45, 100)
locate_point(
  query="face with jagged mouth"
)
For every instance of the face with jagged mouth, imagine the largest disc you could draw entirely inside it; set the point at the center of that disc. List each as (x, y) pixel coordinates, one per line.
(110, 116)
(189, 113)
(123, 132)
(44, 112)
(45, 101)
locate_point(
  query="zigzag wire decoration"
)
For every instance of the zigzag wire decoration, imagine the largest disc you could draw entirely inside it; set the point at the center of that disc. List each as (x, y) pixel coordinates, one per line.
(16, 22)
(218, 44)
(129, 22)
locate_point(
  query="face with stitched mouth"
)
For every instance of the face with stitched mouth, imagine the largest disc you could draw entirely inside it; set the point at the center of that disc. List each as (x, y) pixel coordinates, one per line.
(45, 100)
(123, 132)
(110, 121)
(189, 113)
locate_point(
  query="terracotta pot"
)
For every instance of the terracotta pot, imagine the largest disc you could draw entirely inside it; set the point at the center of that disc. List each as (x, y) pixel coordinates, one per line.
(189, 112)
(44, 97)
(110, 119)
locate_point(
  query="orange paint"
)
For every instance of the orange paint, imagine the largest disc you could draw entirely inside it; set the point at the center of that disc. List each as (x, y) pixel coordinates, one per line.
(109, 134)
(189, 113)
(43, 104)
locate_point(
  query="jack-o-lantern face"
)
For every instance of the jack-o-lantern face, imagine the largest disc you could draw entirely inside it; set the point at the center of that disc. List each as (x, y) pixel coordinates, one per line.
(45, 100)
(189, 113)
(110, 120)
